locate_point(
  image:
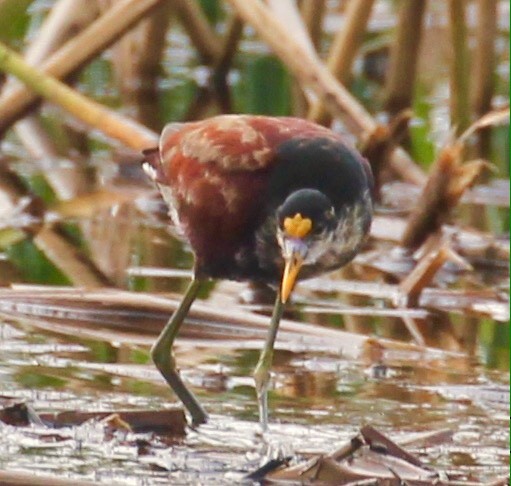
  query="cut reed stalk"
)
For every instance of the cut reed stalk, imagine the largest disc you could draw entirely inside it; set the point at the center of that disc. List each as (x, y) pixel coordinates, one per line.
(484, 65)
(308, 69)
(447, 181)
(400, 81)
(378, 147)
(343, 51)
(233, 35)
(137, 56)
(425, 270)
(459, 81)
(196, 25)
(313, 12)
(230, 44)
(313, 74)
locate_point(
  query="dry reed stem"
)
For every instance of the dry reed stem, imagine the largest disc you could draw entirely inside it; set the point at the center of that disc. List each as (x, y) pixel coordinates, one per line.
(404, 167)
(493, 118)
(75, 53)
(35, 140)
(489, 303)
(137, 56)
(67, 259)
(313, 12)
(67, 181)
(307, 68)
(353, 323)
(470, 243)
(354, 464)
(66, 18)
(202, 105)
(313, 74)
(233, 35)
(286, 11)
(64, 21)
(423, 274)
(343, 51)
(483, 66)
(382, 142)
(16, 478)
(459, 80)
(484, 56)
(230, 44)
(90, 112)
(15, 200)
(109, 238)
(58, 250)
(168, 422)
(412, 325)
(197, 26)
(400, 81)
(446, 183)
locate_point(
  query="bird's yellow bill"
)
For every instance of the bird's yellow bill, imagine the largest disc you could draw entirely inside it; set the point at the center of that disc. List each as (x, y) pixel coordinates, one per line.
(291, 270)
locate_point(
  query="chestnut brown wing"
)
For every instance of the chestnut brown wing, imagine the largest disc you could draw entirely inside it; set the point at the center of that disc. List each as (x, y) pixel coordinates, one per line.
(214, 173)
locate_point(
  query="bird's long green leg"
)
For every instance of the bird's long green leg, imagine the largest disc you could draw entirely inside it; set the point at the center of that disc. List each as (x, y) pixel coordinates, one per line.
(161, 353)
(262, 370)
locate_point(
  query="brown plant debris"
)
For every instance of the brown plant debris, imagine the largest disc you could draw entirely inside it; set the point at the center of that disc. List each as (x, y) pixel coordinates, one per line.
(380, 144)
(14, 411)
(370, 457)
(446, 183)
(425, 270)
(474, 245)
(500, 116)
(17, 478)
(170, 422)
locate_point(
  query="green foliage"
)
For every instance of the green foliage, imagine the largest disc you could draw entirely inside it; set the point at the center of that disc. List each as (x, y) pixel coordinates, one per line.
(494, 342)
(31, 379)
(266, 87)
(141, 388)
(40, 187)
(422, 148)
(140, 356)
(10, 236)
(103, 352)
(500, 153)
(34, 266)
(175, 101)
(213, 10)
(74, 235)
(97, 80)
(14, 19)
(366, 92)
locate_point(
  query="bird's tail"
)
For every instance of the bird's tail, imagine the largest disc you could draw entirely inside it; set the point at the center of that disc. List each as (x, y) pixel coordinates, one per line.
(152, 164)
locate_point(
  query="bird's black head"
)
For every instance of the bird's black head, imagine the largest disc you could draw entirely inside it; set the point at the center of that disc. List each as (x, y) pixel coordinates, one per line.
(306, 223)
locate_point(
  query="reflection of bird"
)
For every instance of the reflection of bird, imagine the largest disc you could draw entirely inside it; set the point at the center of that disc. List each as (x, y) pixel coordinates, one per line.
(259, 199)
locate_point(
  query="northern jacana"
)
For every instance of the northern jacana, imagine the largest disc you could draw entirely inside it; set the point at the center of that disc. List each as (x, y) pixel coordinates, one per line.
(262, 199)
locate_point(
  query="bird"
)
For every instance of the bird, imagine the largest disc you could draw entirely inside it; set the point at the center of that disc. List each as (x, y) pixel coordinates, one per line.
(262, 199)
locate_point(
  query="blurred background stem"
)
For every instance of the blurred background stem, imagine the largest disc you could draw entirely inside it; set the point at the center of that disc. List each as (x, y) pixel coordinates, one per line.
(400, 82)
(460, 105)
